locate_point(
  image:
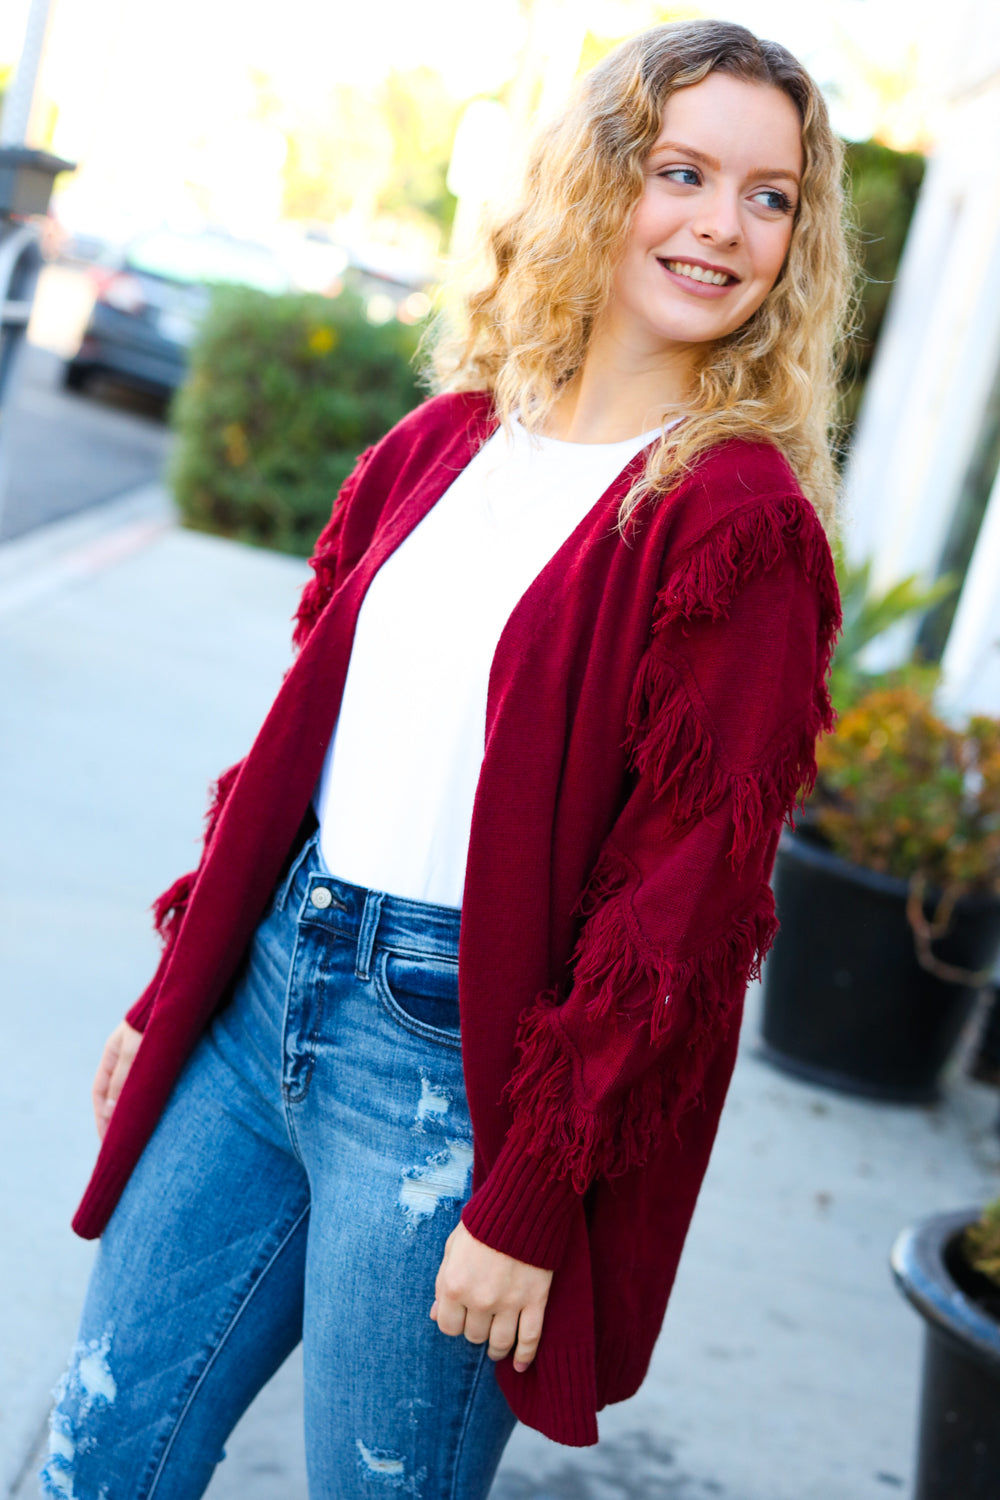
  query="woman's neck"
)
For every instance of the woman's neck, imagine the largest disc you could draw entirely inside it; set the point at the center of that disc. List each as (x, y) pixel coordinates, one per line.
(621, 391)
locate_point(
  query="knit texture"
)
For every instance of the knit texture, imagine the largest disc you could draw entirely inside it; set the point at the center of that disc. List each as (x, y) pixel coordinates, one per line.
(651, 722)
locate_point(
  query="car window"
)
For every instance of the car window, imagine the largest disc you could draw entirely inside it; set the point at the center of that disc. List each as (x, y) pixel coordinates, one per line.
(205, 258)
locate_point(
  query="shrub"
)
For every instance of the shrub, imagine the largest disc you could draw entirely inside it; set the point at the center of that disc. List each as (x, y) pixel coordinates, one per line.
(981, 1243)
(901, 791)
(281, 396)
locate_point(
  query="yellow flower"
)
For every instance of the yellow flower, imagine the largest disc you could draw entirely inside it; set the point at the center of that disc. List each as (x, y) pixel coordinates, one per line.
(235, 439)
(322, 339)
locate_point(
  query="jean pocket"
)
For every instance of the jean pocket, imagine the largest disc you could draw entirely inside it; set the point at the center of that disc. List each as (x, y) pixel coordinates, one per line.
(421, 992)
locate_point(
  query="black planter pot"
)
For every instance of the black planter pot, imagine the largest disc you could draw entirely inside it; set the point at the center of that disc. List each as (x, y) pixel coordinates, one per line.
(846, 1002)
(959, 1439)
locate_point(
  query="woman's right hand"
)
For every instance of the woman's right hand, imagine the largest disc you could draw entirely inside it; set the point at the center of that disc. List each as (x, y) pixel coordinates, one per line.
(113, 1069)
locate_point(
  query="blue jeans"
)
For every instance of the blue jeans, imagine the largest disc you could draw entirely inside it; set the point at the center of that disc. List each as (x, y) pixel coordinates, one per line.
(301, 1184)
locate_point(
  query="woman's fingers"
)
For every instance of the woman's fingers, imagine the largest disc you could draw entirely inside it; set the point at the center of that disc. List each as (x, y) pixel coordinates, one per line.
(102, 1082)
(118, 1077)
(529, 1332)
(501, 1330)
(490, 1297)
(112, 1071)
(503, 1335)
(449, 1315)
(477, 1326)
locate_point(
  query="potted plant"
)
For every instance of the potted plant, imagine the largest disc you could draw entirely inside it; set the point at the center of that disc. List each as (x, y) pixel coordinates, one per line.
(889, 898)
(949, 1268)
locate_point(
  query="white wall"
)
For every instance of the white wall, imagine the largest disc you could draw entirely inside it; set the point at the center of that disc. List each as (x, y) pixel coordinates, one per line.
(939, 350)
(937, 356)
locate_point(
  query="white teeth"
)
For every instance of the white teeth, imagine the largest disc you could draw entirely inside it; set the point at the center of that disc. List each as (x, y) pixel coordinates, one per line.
(698, 273)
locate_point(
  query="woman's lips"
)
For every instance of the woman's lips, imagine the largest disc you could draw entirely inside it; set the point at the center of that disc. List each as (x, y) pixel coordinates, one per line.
(708, 289)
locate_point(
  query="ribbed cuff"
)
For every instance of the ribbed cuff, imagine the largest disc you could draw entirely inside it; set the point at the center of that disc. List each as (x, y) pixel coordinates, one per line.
(96, 1206)
(521, 1209)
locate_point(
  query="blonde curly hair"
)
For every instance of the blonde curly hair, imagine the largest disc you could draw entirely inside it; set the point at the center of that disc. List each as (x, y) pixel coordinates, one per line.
(524, 334)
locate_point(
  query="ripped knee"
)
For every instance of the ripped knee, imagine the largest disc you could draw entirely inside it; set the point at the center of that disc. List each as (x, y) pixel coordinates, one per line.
(86, 1388)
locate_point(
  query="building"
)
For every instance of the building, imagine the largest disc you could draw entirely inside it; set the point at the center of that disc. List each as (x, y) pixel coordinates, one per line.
(922, 490)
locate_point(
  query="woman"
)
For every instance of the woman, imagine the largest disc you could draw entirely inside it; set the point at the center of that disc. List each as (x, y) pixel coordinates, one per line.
(560, 674)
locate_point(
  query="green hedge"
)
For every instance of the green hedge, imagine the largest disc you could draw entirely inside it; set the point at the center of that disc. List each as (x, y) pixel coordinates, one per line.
(281, 396)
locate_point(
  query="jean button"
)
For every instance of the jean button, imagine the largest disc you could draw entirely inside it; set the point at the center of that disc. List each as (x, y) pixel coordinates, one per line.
(321, 897)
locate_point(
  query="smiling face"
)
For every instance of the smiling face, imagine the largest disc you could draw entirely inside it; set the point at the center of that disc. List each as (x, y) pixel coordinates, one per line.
(710, 232)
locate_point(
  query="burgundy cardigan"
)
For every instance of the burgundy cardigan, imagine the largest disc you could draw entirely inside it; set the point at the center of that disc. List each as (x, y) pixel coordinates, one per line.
(652, 712)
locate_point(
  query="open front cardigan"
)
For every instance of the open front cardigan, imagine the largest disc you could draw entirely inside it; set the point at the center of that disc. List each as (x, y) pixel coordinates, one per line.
(651, 719)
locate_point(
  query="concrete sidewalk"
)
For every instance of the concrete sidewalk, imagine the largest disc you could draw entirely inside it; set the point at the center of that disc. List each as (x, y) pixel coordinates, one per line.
(138, 660)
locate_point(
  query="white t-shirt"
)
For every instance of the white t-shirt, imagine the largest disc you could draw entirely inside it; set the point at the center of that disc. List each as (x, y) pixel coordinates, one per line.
(395, 796)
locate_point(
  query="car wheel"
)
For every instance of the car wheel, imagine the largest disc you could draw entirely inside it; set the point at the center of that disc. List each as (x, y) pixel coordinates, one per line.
(76, 377)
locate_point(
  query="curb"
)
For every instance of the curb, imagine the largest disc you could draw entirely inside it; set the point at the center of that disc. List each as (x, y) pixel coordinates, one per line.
(46, 560)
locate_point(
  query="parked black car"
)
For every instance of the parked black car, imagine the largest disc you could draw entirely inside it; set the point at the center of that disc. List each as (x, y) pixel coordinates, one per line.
(150, 299)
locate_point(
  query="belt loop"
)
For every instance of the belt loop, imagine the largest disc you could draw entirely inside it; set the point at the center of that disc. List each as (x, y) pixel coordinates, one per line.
(366, 936)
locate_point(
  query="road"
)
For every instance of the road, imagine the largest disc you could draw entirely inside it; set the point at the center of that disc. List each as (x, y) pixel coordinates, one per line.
(68, 451)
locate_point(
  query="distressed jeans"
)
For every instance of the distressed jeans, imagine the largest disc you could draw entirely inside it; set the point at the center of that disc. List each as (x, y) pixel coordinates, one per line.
(301, 1184)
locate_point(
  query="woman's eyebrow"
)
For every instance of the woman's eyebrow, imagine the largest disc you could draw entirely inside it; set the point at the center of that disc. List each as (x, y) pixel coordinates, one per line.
(774, 172)
(715, 165)
(699, 156)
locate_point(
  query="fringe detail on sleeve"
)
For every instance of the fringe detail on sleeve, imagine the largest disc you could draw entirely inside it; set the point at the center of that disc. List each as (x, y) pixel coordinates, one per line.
(610, 876)
(668, 742)
(609, 960)
(666, 737)
(218, 799)
(319, 590)
(745, 544)
(690, 1003)
(169, 908)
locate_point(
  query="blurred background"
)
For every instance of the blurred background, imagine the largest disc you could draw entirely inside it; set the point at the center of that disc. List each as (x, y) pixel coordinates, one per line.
(351, 150)
(336, 126)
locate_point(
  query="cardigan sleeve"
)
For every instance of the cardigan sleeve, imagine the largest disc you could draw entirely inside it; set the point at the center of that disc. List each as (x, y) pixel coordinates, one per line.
(326, 555)
(678, 914)
(170, 906)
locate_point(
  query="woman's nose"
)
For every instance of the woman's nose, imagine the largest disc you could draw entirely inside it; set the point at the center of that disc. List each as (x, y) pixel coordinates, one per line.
(718, 223)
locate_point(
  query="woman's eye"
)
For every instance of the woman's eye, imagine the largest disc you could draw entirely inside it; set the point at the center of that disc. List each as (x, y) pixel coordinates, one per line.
(775, 199)
(689, 176)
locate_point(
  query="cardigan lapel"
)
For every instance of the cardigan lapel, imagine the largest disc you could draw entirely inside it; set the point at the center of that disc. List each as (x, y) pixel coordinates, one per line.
(258, 825)
(285, 762)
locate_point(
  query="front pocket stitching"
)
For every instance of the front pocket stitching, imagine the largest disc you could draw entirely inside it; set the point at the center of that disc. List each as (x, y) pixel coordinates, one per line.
(399, 1015)
(394, 950)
